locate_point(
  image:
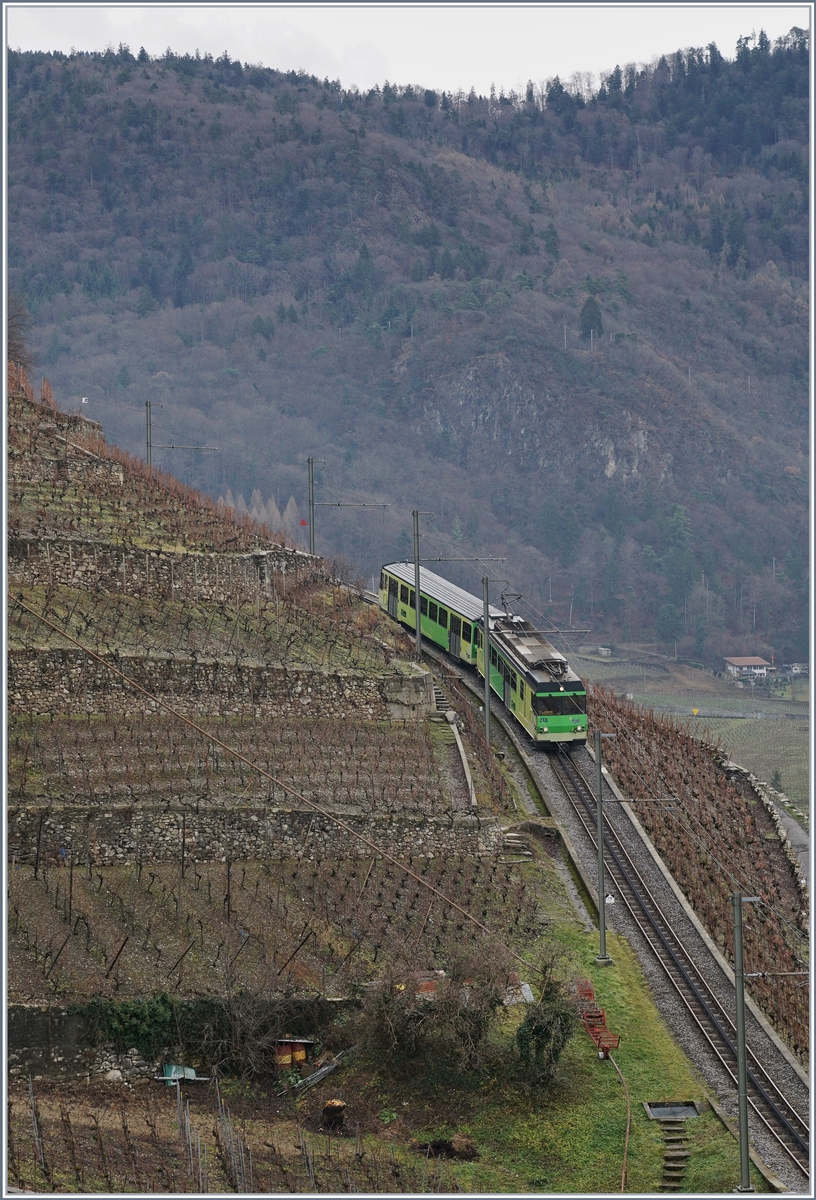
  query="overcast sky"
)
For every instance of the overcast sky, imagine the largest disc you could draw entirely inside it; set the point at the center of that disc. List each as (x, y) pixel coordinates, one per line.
(442, 46)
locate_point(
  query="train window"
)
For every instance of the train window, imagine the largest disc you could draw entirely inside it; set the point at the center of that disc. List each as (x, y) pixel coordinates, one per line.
(494, 658)
(479, 638)
(443, 617)
(456, 625)
(403, 594)
(392, 587)
(467, 633)
(423, 606)
(513, 680)
(432, 611)
(521, 689)
(383, 584)
(412, 601)
(559, 705)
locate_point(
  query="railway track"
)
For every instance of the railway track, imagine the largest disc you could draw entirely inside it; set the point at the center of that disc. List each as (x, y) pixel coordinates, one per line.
(779, 1116)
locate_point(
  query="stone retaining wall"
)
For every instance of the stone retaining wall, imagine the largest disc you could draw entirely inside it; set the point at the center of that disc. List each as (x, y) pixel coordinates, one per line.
(51, 1042)
(65, 681)
(159, 574)
(148, 833)
(766, 795)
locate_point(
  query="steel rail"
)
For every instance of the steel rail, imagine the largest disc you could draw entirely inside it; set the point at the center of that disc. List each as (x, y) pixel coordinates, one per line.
(579, 786)
(693, 988)
(712, 997)
(795, 1136)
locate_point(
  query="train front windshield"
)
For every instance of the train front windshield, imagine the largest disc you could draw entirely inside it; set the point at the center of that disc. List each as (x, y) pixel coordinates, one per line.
(561, 704)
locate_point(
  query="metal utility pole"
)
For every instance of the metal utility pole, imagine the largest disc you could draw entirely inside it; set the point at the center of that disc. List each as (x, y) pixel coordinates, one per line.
(486, 582)
(313, 504)
(310, 466)
(602, 958)
(416, 514)
(486, 650)
(738, 900)
(149, 435)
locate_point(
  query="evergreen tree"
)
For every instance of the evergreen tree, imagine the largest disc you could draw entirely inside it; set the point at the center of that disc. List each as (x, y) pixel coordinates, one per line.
(552, 242)
(590, 320)
(446, 265)
(669, 623)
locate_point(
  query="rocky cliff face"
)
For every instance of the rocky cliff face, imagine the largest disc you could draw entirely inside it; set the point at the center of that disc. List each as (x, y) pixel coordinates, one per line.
(496, 419)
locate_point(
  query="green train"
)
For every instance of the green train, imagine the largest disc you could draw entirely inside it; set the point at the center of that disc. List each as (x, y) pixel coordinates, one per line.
(527, 673)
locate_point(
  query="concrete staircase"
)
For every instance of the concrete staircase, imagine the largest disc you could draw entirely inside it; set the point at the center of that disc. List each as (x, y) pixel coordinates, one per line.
(675, 1155)
(516, 848)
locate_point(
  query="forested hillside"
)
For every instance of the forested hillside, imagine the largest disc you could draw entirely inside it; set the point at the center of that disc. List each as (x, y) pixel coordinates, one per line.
(572, 324)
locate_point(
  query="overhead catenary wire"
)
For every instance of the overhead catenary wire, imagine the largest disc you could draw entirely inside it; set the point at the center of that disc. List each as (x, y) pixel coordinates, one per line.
(236, 754)
(678, 814)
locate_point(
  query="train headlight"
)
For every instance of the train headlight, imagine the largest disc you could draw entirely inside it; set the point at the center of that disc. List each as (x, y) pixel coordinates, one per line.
(545, 729)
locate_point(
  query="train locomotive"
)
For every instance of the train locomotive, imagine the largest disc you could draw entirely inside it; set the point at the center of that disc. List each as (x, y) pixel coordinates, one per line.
(527, 673)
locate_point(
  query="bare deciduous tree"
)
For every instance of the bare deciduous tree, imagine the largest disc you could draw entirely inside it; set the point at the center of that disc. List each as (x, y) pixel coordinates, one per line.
(18, 327)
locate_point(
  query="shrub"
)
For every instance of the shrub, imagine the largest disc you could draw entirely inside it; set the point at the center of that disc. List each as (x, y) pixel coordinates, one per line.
(547, 1027)
(400, 1025)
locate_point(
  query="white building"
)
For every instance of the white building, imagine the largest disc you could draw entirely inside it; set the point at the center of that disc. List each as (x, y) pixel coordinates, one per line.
(752, 668)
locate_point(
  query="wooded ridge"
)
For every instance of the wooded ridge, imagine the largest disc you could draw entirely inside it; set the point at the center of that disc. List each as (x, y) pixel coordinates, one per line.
(572, 324)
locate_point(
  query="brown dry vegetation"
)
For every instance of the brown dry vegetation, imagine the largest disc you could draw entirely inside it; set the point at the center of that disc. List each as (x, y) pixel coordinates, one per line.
(47, 504)
(240, 940)
(387, 280)
(716, 838)
(315, 925)
(90, 1141)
